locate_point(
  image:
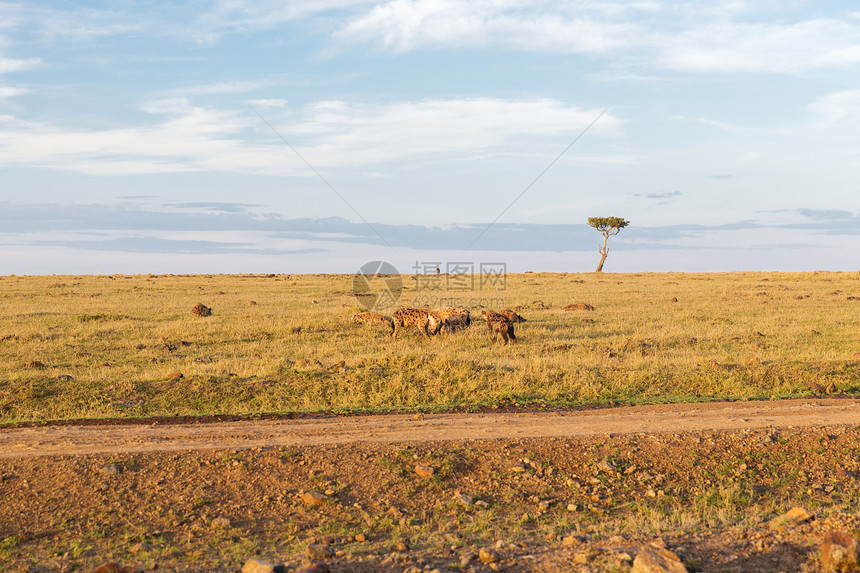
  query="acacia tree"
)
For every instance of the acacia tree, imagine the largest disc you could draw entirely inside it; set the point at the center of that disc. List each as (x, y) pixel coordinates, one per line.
(608, 226)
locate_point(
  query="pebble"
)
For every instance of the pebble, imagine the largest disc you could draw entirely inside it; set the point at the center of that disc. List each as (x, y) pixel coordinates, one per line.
(318, 551)
(255, 566)
(424, 471)
(313, 498)
(793, 516)
(655, 558)
(220, 522)
(488, 555)
(840, 551)
(109, 469)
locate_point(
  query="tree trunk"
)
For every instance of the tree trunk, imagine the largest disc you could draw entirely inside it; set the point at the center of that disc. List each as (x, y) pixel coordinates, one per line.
(603, 252)
(602, 260)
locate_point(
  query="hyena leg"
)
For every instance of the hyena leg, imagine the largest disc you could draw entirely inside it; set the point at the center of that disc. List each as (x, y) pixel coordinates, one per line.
(511, 333)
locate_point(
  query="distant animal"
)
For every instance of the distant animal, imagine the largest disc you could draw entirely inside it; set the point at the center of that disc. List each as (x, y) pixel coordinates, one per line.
(513, 316)
(579, 306)
(453, 318)
(499, 324)
(201, 310)
(372, 318)
(425, 320)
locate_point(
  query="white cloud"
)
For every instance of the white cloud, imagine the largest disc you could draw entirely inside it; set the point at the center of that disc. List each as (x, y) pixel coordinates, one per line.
(270, 102)
(405, 25)
(9, 65)
(776, 48)
(7, 92)
(726, 36)
(838, 107)
(329, 134)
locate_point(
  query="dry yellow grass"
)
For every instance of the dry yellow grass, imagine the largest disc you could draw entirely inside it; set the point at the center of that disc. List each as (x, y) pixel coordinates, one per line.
(109, 344)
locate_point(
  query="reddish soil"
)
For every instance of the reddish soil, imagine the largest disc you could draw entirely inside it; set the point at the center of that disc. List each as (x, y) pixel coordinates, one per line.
(558, 491)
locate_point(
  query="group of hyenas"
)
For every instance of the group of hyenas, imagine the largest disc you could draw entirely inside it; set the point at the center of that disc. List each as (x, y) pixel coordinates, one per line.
(432, 321)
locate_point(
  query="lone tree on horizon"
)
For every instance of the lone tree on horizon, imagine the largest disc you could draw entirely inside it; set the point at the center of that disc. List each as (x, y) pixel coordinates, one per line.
(608, 226)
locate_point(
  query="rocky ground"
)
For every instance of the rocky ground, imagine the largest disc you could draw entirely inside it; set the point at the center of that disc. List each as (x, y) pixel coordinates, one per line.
(713, 498)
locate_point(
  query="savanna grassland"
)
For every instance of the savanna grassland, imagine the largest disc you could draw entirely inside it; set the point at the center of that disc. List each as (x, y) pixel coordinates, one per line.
(74, 347)
(114, 346)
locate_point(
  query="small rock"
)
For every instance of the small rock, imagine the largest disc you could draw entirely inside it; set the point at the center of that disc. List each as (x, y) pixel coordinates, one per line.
(220, 523)
(606, 466)
(361, 538)
(313, 499)
(488, 555)
(424, 471)
(463, 498)
(840, 552)
(570, 541)
(109, 469)
(793, 516)
(400, 547)
(581, 558)
(116, 568)
(175, 376)
(255, 566)
(318, 551)
(140, 547)
(656, 559)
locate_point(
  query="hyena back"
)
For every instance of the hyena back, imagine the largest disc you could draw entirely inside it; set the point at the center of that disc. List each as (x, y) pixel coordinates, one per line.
(425, 320)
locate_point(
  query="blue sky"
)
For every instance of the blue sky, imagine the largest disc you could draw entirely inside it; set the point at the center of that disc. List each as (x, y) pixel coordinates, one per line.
(234, 136)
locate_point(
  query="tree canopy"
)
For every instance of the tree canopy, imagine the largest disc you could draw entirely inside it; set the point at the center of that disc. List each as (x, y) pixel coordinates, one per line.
(607, 224)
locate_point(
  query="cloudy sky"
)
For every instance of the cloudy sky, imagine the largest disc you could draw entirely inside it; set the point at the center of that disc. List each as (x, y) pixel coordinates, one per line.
(296, 136)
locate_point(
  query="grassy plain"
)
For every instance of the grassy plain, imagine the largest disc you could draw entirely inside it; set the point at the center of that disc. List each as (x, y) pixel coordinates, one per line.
(106, 346)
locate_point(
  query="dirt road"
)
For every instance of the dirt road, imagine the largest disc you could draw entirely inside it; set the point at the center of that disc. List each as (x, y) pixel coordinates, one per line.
(51, 440)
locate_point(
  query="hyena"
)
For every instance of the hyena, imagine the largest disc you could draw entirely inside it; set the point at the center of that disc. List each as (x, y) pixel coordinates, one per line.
(201, 310)
(372, 318)
(454, 318)
(499, 324)
(512, 316)
(424, 319)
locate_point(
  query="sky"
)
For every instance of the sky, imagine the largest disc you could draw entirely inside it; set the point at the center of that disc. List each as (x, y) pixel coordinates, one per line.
(233, 136)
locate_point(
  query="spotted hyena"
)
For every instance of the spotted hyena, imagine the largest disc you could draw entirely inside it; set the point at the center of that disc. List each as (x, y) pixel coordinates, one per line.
(372, 318)
(499, 324)
(424, 319)
(512, 316)
(454, 318)
(201, 310)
